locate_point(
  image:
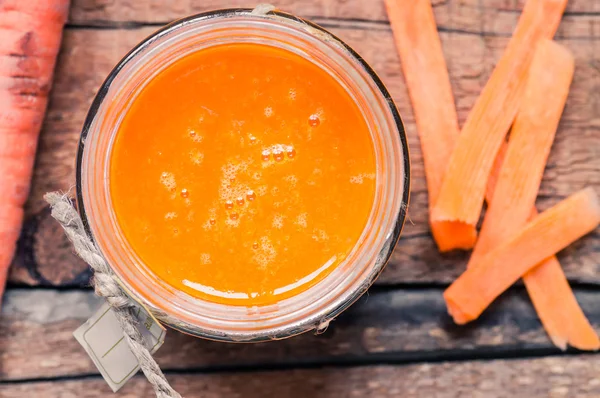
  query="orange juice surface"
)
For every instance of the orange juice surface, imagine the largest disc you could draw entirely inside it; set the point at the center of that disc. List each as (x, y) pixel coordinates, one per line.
(242, 174)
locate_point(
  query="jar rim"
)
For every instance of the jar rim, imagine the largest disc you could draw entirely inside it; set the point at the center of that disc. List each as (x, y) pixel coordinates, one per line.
(277, 331)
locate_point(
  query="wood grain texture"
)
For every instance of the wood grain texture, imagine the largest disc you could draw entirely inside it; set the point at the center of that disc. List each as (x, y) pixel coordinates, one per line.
(397, 326)
(573, 377)
(88, 55)
(463, 13)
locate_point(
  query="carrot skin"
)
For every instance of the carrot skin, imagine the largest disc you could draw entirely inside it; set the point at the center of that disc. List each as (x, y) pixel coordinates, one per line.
(26, 67)
(544, 236)
(463, 188)
(30, 36)
(52, 11)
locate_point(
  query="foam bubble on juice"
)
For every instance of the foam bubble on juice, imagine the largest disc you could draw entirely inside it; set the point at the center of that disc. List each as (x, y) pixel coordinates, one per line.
(268, 111)
(266, 155)
(205, 258)
(314, 120)
(278, 221)
(301, 220)
(170, 216)
(196, 157)
(319, 235)
(262, 190)
(212, 219)
(360, 178)
(168, 180)
(232, 222)
(292, 94)
(278, 154)
(290, 151)
(291, 179)
(230, 190)
(195, 136)
(265, 253)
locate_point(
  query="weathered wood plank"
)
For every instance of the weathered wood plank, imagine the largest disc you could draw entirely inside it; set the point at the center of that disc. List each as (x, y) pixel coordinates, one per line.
(456, 14)
(88, 55)
(542, 377)
(399, 326)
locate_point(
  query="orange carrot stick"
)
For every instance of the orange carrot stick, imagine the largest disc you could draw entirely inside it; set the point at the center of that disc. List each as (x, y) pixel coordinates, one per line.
(544, 236)
(30, 34)
(554, 301)
(426, 76)
(461, 196)
(522, 168)
(557, 307)
(530, 141)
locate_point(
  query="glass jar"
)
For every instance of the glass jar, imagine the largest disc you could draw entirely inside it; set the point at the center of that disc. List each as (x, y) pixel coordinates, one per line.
(312, 308)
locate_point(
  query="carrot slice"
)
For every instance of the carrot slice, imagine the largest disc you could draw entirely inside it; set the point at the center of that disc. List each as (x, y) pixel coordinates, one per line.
(510, 206)
(461, 196)
(530, 141)
(544, 236)
(426, 76)
(549, 290)
(557, 307)
(30, 34)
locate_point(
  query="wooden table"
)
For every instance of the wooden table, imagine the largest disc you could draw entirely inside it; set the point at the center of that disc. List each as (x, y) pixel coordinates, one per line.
(397, 341)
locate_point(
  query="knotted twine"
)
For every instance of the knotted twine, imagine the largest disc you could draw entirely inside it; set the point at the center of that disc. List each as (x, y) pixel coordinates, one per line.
(105, 285)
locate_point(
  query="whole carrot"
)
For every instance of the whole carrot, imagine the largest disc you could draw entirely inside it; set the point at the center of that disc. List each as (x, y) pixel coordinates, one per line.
(30, 35)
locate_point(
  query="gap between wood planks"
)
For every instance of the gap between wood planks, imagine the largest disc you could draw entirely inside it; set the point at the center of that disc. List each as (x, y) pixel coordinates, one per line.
(373, 360)
(386, 327)
(326, 22)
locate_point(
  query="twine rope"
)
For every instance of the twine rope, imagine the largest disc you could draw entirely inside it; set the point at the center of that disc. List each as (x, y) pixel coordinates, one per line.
(106, 286)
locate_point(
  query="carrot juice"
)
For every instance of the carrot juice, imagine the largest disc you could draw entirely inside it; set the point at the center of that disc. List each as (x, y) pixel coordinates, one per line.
(242, 174)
